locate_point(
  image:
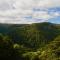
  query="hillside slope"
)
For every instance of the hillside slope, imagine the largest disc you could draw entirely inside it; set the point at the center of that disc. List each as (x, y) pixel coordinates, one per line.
(40, 41)
(34, 35)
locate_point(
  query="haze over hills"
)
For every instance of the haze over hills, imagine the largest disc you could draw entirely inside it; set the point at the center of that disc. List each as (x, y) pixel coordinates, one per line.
(37, 41)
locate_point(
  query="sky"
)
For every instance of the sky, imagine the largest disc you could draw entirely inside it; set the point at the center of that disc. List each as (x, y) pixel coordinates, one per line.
(29, 11)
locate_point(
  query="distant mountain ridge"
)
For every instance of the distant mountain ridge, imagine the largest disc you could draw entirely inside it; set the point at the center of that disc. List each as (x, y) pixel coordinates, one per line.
(31, 34)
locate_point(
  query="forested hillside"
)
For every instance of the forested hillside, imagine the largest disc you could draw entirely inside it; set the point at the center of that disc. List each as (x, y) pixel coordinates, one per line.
(38, 41)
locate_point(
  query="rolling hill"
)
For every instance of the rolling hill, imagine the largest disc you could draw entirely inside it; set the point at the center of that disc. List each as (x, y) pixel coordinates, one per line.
(26, 38)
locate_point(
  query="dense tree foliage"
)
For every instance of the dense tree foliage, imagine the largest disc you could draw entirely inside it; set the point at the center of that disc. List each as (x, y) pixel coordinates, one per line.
(40, 41)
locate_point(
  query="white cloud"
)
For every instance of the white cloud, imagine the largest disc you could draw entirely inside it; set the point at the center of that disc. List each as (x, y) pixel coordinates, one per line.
(41, 15)
(21, 11)
(47, 3)
(56, 14)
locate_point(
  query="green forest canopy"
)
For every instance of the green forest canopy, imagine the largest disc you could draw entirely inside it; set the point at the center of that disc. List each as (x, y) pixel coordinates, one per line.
(40, 41)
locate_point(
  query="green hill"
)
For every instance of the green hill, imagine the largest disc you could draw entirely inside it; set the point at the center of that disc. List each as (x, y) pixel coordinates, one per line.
(35, 35)
(30, 41)
(50, 51)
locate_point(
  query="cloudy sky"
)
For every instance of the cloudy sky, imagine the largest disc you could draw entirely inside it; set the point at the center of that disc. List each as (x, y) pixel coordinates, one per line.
(29, 11)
